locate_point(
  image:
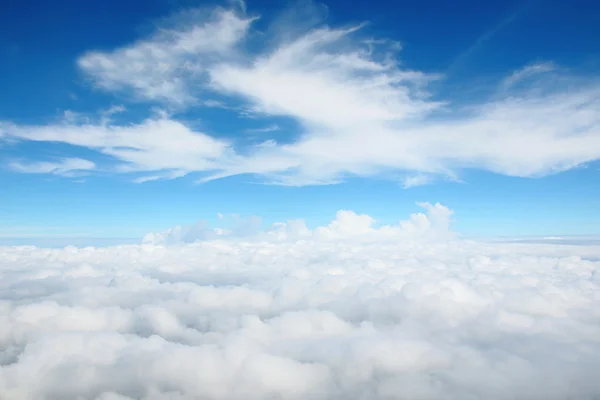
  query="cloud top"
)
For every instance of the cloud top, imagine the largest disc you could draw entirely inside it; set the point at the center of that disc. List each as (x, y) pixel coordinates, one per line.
(326, 315)
(347, 225)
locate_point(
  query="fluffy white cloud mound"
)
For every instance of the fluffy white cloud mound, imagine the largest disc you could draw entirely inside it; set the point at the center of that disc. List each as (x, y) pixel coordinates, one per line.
(346, 225)
(326, 315)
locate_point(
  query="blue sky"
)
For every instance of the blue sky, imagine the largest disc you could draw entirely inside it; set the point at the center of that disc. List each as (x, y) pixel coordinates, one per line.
(117, 119)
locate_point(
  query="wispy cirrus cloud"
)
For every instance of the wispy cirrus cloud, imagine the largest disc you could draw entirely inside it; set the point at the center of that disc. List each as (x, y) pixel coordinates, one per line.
(360, 110)
(155, 144)
(416, 180)
(162, 67)
(518, 12)
(266, 129)
(69, 167)
(528, 72)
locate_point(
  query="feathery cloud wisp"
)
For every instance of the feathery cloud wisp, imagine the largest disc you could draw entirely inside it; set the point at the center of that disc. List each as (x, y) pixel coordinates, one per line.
(359, 110)
(64, 167)
(161, 67)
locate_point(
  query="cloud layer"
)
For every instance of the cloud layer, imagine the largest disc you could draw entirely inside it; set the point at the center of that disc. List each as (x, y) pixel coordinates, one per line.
(360, 110)
(341, 312)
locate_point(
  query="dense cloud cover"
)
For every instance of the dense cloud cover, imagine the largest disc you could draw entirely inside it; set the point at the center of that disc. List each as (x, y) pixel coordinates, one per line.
(345, 316)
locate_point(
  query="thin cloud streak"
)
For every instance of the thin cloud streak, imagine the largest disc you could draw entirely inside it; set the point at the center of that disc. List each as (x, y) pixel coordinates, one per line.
(464, 56)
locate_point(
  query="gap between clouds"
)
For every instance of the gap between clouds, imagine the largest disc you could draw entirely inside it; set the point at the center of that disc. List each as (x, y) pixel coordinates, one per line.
(362, 113)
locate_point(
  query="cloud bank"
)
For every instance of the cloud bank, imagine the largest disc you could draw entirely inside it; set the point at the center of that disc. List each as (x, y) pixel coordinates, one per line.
(434, 225)
(360, 109)
(344, 311)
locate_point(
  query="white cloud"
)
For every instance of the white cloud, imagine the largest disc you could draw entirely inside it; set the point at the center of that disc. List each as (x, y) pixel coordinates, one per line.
(352, 87)
(160, 67)
(347, 224)
(256, 317)
(155, 144)
(169, 175)
(360, 110)
(416, 180)
(363, 116)
(528, 72)
(266, 129)
(64, 167)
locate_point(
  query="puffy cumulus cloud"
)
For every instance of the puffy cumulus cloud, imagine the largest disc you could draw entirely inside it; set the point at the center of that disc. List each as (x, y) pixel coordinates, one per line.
(312, 317)
(239, 227)
(360, 110)
(346, 225)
